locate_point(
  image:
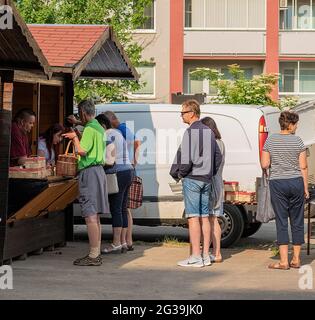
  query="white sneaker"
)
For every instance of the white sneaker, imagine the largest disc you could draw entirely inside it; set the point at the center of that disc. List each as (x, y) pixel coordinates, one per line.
(207, 260)
(195, 262)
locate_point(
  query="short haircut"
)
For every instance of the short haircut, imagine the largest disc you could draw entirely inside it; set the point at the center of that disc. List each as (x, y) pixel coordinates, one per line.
(193, 105)
(88, 107)
(23, 114)
(287, 118)
(104, 121)
(209, 122)
(110, 115)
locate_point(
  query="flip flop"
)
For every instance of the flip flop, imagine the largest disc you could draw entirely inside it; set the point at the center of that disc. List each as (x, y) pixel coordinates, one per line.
(278, 266)
(295, 265)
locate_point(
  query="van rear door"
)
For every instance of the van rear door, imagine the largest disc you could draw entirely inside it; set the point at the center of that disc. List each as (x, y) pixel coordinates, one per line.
(306, 130)
(271, 115)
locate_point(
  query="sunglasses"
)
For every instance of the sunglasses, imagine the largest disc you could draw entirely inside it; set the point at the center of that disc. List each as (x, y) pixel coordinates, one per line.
(184, 112)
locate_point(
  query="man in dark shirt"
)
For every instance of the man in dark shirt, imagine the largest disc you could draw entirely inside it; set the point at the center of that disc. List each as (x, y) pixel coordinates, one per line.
(197, 161)
(21, 127)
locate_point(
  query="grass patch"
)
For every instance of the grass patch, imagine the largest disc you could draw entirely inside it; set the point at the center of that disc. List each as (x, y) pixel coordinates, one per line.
(275, 251)
(173, 242)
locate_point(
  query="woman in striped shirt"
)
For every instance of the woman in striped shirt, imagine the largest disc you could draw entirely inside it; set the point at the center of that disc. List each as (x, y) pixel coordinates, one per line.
(284, 154)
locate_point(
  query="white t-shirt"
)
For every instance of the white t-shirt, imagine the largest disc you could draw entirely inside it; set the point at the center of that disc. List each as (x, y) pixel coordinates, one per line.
(122, 161)
(42, 146)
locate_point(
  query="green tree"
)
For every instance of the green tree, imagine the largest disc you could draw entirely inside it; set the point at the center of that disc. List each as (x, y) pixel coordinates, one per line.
(123, 15)
(37, 11)
(238, 89)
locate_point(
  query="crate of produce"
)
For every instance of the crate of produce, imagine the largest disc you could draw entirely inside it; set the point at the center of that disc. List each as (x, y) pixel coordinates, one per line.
(35, 163)
(231, 186)
(24, 173)
(240, 196)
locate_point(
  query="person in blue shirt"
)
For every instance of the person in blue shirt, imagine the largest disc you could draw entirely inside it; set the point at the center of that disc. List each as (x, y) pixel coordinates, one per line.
(133, 146)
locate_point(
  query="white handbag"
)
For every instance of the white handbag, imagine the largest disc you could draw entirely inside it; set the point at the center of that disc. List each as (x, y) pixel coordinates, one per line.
(112, 183)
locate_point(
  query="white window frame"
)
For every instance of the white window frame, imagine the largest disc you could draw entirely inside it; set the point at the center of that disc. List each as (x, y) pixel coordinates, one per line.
(148, 30)
(206, 85)
(144, 96)
(298, 82)
(295, 19)
(204, 28)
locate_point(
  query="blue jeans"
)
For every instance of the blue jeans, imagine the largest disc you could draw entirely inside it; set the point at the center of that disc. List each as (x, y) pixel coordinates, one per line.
(118, 202)
(287, 199)
(196, 198)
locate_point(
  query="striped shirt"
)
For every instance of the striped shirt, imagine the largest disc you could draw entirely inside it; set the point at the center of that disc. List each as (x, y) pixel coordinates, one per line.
(284, 152)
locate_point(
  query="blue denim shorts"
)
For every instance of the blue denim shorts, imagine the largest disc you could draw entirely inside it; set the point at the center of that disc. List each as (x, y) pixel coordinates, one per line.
(196, 197)
(217, 212)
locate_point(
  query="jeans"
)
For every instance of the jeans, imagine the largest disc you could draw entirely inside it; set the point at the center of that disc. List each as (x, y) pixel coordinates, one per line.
(118, 202)
(196, 198)
(287, 199)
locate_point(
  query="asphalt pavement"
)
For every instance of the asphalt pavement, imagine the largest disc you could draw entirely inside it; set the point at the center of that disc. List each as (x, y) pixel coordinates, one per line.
(150, 272)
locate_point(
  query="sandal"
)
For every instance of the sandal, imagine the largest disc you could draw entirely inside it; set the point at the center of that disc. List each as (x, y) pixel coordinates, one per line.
(213, 259)
(124, 248)
(278, 266)
(130, 248)
(112, 249)
(295, 265)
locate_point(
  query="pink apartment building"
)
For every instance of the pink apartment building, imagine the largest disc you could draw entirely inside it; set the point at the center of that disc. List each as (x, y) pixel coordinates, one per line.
(259, 35)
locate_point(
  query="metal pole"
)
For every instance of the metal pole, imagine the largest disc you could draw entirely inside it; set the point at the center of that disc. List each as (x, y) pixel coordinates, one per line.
(308, 228)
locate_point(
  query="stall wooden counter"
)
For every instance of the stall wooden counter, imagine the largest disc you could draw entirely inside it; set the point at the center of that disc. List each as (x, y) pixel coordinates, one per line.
(42, 222)
(56, 196)
(35, 74)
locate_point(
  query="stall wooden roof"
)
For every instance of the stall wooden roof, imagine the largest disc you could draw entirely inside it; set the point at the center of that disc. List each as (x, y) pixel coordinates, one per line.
(18, 47)
(85, 50)
(90, 51)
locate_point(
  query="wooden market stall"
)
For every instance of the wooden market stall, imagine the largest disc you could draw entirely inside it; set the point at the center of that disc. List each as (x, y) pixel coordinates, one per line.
(38, 67)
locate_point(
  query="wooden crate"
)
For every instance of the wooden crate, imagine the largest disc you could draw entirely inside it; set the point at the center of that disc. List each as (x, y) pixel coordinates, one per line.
(30, 173)
(231, 186)
(35, 163)
(240, 196)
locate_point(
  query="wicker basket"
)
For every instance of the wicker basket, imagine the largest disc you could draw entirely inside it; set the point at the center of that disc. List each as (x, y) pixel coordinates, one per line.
(67, 164)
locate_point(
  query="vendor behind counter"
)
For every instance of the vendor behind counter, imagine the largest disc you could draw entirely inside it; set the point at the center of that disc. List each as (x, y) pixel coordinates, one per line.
(20, 146)
(22, 191)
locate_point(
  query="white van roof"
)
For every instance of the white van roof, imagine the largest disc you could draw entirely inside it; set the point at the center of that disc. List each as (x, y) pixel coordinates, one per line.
(136, 107)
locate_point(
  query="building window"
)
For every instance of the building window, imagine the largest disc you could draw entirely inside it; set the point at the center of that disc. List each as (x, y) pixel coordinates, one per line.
(225, 14)
(307, 77)
(203, 86)
(188, 13)
(147, 79)
(297, 77)
(248, 73)
(297, 15)
(149, 14)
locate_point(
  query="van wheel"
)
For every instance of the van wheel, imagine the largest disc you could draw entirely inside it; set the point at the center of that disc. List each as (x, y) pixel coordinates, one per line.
(232, 225)
(251, 229)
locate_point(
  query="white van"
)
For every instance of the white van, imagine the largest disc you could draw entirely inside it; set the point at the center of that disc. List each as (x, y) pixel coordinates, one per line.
(244, 130)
